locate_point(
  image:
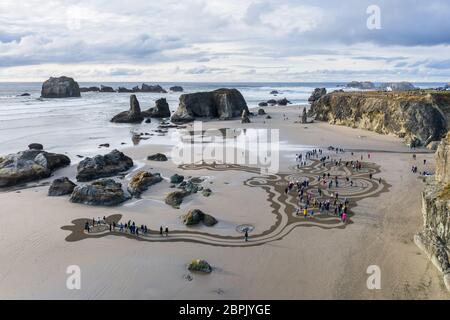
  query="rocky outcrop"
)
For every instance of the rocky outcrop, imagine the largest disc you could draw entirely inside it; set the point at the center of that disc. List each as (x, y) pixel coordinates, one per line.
(261, 112)
(176, 89)
(141, 181)
(133, 115)
(62, 87)
(154, 89)
(283, 102)
(90, 89)
(106, 89)
(124, 90)
(364, 85)
(176, 178)
(35, 146)
(200, 266)
(160, 110)
(157, 157)
(317, 94)
(397, 86)
(263, 104)
(304, 116)
(420, 116)
(175, 198)
(222, 103)
(61, 187)
(105, 192)
(103, 166)
(434, 239)
(195, 216)
(245, 118)
(29, 165)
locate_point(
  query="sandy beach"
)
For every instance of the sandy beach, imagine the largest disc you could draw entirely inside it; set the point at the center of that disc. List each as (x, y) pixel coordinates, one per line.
(308, 262)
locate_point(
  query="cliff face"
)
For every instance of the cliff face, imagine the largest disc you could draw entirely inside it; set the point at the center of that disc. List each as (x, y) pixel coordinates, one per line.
(434, 239)
(419, 116)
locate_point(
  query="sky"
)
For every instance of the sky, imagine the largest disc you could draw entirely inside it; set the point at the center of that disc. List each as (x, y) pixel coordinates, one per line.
(225, 40)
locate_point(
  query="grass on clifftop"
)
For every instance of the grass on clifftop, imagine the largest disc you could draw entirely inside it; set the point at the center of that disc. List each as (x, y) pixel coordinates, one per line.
(445, 193)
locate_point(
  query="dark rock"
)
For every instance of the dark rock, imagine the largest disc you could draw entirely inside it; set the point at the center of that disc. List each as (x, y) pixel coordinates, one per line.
(317, 94)
(26, 94)
(263, 104)
(161, 110)
(103, 166)
(131, 116)
(123, 89)
(157, 157)
(268, 116)
(148, 120)
(106, 89)
(222, 103)
(90, 89)
(105, 145)
(398, 86)
(200, 266)
(176, 89)
(206, 192)
(283, 102)
(62, 87)
(245, 118)
(195, 216)
(304, 116)
(272, 102)
(274, 92)
(105, 192)
(365, 85)
(35, 146)
(176, 178)
(153, 89)
(29, 165)
(141, 181)
(261, 112)
(136, 89)
(175, 198)
(61, 187)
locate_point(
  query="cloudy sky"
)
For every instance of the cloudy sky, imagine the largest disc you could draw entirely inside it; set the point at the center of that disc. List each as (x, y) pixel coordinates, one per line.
(218, 40)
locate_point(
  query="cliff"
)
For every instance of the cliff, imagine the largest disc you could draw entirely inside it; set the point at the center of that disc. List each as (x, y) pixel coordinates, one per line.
(434, 239)
(419, 116)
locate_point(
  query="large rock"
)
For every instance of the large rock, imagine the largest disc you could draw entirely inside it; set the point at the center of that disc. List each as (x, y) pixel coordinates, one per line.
(176, 178)
(103, 166)
(105, 192)
(133, 115)
(364, 85)
(175, 198)
(89, 89)
(304, 116)
(222, 103)
(157, 157)
(195, 216)
(141, 181)
(176, 89)
(29, 165)
(434, 239)
(106, 89)
(35, 146)
(61, 187)
(200, 266)
(397, 86)
(317, 94)
(160, 110)
(62, 87)
(153, 89)
(419, 117)
(245, 118)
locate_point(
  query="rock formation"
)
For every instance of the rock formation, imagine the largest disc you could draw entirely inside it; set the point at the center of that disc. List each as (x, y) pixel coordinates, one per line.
(261, 112)
(175, 198)
(200, 266)
(154, 89)
(103, 166)
(141, 181)
(133, 115)
(29, 165)
(61, 187)
(62, 87)
(263, 104)
(160, 110)
(104, 192)
(434, 239)
(195, 216)
(304, 116)
(317, 94)
(35, 146)
(157, 157)
(106, 89)
(176, 89)
(420, 116)
(222, 103)
(365, 85)
(397, 86)
(245, 118)
(89, 89)
(176, 178)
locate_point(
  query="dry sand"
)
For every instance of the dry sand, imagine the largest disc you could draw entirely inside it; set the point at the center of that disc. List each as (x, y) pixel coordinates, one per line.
(307, 263)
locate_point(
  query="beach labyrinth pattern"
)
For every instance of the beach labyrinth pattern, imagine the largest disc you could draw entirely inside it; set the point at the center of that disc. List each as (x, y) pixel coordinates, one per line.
(282, 205)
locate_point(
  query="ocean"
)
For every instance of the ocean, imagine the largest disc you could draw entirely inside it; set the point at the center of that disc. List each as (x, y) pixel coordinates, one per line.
(78, 125)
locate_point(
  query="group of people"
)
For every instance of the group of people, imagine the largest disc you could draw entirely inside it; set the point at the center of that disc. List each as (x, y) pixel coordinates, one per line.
(129, 227)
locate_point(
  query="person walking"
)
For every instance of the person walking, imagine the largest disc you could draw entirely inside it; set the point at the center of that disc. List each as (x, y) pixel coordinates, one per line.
(246, 235)
(161, 230)
(167, 231)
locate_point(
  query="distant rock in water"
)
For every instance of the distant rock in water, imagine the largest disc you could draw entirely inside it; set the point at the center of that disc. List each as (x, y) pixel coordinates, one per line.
(105, 192)
(123, 90)
(62, 87)
(364, 85)
(317, 94)
(263, 104)
(29, 165)
(155, 89)
(103, 166)
(419, 117)
(274, 92)
(90, 89)
(35, 146)
(106, 89)
(131, 116)
(61, 187)
(160, 110)
(222, 103)
(141, 181)
(176, 89)
(283, 102)
(26, 94)
(397, 86)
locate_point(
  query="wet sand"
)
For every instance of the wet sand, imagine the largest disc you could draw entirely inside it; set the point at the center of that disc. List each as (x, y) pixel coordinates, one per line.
(308, 262)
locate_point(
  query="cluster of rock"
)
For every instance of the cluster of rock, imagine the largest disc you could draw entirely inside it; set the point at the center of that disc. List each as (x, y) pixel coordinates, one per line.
(29, 165)
(144, 88)
(317, 94)
(135, 115)
(188, 187)
(141, 181)
(62, 87)
(104, 192)
(419, 117)
(200, 266)
(273, 102)
(61, 187)
(196, 216)
(434, 239)
(157, 157)
(222, 103)
(387, 86)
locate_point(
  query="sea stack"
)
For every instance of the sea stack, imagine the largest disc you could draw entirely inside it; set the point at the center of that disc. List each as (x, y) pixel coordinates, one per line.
(62, 87)
(131, 116)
